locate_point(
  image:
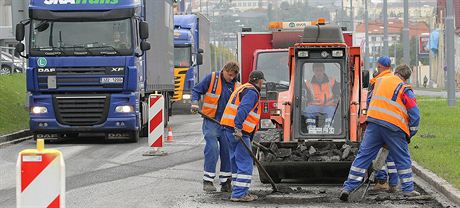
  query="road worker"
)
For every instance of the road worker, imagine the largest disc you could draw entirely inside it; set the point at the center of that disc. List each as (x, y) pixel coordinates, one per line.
(322, 95)
(393, 118)
(387, 178)
(216, 89)
(240, 120)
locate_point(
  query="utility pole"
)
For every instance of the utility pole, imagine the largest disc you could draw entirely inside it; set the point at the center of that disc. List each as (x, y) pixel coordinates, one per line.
(352, 18)
(385, 28)
(366, 47)
(450, 55)
(405, 33)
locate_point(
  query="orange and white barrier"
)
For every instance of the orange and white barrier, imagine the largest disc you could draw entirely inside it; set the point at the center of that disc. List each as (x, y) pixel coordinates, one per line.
(156, 125)
(40, 178)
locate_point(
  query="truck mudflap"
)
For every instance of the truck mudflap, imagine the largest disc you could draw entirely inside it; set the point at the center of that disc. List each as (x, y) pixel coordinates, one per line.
(307, 161)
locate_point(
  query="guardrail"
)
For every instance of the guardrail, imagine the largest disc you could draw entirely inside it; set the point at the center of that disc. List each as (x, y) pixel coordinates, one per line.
(10, 63)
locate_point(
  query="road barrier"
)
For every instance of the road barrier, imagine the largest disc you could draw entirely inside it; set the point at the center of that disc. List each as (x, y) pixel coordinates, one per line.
(40, 177)
(156, 125)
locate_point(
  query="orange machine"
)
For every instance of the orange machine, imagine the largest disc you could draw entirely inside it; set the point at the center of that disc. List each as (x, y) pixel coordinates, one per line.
(320, 117)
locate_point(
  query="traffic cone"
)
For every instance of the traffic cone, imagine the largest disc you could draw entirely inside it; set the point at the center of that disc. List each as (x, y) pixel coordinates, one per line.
(170, 136)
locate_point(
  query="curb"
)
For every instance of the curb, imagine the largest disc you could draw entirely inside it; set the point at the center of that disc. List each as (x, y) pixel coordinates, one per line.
(15, 135)
(438, 183)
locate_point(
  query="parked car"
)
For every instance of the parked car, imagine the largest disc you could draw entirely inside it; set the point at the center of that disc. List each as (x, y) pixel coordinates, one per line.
(7, 60)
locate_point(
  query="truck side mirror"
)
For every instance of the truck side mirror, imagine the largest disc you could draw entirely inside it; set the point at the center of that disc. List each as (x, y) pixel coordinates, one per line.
(145, 45)
(19, 48)
(20, 31)
(143, 30)
(365, 78)
(200, 50)
(199, 59)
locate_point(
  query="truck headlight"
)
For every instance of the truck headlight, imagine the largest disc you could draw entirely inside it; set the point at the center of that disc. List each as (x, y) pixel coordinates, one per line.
(186, 96)
(302, 54)
(39, 110)
(337, 53)
(266, 124)
(124, 109)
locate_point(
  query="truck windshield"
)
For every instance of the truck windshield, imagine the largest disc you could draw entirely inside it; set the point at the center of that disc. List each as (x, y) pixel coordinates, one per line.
(275, 66)
(182, 56)
(81, 38)
(321, 99)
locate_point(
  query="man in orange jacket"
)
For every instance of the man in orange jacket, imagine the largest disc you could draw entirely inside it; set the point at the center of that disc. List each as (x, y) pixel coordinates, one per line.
(241, 119)
(393, 118)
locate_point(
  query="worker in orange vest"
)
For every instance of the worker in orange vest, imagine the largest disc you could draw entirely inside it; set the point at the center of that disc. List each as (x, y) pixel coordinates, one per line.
(393, 119)
(241, 120)
(322, 93)
(387, 178)
(216, 89)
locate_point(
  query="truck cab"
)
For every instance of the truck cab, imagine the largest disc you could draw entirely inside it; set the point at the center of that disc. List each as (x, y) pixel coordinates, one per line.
(86, 71)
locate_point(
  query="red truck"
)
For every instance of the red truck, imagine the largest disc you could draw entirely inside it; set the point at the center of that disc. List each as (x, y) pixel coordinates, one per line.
(268, 52)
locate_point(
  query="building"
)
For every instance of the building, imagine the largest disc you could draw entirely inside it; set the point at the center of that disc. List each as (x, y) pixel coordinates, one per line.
(6, 29)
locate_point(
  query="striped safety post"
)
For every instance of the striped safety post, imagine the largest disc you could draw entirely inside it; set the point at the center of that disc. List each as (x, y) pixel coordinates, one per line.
(40, 177)
(156, 125)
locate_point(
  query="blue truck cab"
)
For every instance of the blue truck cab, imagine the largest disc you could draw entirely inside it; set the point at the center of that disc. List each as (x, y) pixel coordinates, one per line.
(86, 67)
(191, 37)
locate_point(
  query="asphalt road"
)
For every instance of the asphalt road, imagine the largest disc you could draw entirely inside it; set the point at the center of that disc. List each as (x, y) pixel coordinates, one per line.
(101, 174)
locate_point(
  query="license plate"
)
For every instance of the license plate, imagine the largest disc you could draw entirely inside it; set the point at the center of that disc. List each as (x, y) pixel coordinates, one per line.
(111, 80)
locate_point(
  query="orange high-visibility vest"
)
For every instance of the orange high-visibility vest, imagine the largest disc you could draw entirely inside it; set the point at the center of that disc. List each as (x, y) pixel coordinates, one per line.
(251, 122)
(322, 93)
(382, 74)
(211, 98)
(386, 103)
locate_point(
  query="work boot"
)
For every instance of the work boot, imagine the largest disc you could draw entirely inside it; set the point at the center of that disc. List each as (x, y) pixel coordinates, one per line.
(393, 189)
(245, 198)
(381, 186)
(208, 186)
(411, 193)
(344, 195)
(227, 186)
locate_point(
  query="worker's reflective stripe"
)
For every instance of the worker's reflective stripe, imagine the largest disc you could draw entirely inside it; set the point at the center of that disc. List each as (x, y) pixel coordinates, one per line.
(356, 169)
(252, 113)
(210, 174)
(406, 171)
(384, 168)
(228, 116)
(414, 128)
(356, 178)
(225, 173)
(232, 106)
(392, 171)
(406, 180)
(249, 124)
(397, 105)
(209, 105)
(241, 176)
(391, 163)
(212, 95)
(241, 184)
(206, 178)
(382, 110)
(234, 175)
(223, 180)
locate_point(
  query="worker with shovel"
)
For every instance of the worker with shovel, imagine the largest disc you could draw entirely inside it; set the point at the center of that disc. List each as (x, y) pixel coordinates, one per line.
(240, 120)
(393, 118)
(216, 89)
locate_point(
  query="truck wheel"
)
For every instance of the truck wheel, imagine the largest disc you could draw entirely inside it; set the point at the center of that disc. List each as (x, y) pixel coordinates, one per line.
(134, 137)
(5, 69)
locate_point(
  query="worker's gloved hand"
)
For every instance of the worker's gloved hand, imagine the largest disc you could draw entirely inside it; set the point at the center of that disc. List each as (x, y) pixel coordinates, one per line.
(238, 133)
(194, 108)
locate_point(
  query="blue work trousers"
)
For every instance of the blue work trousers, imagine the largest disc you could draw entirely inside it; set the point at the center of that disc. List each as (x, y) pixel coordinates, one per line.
(374, 138)
(216, 145)
(241, 162)
(388, 172)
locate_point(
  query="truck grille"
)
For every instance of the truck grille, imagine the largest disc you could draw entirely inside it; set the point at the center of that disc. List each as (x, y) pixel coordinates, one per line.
(81, 110)
(72, 78)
